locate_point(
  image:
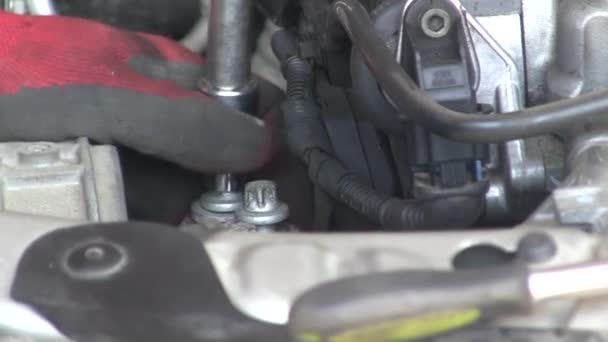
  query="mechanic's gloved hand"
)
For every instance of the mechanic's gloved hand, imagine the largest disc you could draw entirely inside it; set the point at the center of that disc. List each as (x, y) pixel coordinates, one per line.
(62, 78)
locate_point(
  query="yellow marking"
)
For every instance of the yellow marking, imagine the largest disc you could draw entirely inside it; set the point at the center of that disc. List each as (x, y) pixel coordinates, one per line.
(409, 329)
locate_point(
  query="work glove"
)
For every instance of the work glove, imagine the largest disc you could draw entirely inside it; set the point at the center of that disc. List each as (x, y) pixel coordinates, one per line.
(63, 78)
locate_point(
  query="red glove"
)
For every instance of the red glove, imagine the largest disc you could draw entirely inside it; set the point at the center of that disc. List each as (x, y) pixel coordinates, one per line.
(61, 78)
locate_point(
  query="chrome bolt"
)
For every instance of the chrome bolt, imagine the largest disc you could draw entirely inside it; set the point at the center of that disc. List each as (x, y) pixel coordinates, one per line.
(225, 198)
(436, 23)
(224, 201)
(261, 206)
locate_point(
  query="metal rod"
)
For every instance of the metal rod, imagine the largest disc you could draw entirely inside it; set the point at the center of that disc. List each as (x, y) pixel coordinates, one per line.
(229, 50)
(225, 183)
(229, 81)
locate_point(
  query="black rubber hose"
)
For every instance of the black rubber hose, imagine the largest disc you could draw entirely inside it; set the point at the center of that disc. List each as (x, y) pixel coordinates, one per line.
(384, 301)
(307, 138)
(472, 128)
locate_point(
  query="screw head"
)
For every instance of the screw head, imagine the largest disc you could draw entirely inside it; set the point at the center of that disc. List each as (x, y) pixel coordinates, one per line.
(436, 23)
(261, 196)
(221, 202)
(262, 205)
(94, 260)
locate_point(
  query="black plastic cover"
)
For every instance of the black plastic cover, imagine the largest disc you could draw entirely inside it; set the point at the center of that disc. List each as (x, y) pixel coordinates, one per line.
(166, 289)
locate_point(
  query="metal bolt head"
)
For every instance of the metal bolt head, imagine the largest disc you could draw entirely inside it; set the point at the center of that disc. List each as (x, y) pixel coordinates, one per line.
(262, 205)
(224, 200)
(39, 154)
(221, 202)
(436, 23)
(94, 261)
(261, 196)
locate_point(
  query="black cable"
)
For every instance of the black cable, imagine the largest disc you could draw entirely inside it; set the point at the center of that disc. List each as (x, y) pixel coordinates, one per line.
(307, 138)
(473, 128)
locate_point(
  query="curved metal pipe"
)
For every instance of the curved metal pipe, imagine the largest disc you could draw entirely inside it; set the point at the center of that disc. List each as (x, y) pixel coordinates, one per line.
(473, 128)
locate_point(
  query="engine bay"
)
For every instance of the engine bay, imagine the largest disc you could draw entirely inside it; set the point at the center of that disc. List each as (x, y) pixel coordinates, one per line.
(434, 170)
